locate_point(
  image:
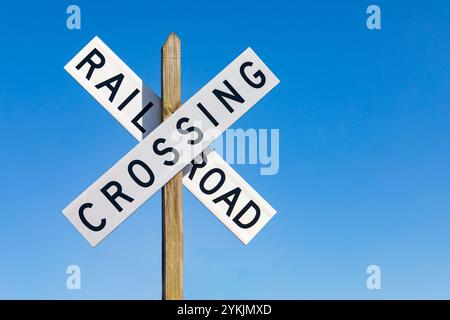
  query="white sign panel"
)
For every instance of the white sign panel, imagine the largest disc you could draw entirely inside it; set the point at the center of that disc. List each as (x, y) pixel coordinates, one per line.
(166, 150)
(232, 200)
(116, 87)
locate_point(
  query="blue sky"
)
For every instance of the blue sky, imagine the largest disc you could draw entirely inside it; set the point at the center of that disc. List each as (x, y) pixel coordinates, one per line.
(364, 120)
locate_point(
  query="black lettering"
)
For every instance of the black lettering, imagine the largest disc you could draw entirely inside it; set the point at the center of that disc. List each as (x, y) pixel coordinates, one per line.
(87, 223)
(140, 115)
(207, 114)
(231, 203)
(113, 88)
(196, 165)
(176, 155)
(151, 176)
(257, 74)
(92, 64)
(189, 130)
(249, 205)
(112, 197)
(209, 174)
(128, 99)
(235, 96)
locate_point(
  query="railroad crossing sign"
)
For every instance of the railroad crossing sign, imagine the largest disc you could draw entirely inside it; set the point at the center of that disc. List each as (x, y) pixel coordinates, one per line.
(178, 144)
(120, 91)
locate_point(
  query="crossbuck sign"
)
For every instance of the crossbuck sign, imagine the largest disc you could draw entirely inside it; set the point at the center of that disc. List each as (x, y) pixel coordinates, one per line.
(180, 143)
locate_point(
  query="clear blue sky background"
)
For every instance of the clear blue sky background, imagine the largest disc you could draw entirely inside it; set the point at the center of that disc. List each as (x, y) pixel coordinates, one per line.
(364, 119)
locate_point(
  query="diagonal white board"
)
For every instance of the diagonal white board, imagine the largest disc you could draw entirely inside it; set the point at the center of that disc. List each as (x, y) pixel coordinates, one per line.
(105, 204)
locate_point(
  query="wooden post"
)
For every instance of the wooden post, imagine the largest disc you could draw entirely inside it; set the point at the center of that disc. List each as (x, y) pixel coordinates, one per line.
(172, 209)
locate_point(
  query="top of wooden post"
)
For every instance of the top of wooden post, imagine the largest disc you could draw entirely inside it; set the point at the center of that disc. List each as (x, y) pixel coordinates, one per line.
(171, 69)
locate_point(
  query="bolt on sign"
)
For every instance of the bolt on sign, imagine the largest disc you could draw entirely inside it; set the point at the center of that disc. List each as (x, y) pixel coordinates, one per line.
(180, 143)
